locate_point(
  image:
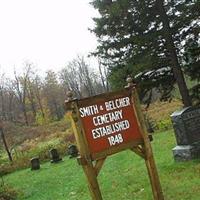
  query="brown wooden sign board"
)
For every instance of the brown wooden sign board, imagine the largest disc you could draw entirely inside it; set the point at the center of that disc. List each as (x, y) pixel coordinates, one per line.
(106, 124)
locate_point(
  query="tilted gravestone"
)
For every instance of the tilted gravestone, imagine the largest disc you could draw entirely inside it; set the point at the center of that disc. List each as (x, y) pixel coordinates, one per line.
(35, 163)
(186, 125)
(54, 156)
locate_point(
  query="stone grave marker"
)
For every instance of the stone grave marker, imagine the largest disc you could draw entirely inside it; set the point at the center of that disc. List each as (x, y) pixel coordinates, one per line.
(186, 125)
(35, 163)
(72, 151)
(54, 156)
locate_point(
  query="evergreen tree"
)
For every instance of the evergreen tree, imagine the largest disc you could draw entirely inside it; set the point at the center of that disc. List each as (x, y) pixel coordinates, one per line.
(143, 36)
(192, 67)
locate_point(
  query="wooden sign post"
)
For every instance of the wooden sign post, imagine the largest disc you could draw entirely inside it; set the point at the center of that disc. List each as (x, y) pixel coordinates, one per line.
(106, 124)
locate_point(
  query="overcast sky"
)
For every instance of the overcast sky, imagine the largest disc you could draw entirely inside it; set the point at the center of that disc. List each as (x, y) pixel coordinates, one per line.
(48, 33)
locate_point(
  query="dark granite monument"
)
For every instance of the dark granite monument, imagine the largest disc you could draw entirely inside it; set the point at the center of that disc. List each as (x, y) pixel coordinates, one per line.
(35, 163)
(186, 125)
(72, 151)
(54, 156)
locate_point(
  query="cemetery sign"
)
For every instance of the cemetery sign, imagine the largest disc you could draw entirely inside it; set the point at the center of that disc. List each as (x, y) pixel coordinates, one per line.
(109, 122)
(106, 124)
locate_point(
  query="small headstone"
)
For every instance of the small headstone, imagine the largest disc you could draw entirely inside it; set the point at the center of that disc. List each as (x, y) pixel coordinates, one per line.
(35, 163)
(186, 125)
(72, 151)
(54, 156)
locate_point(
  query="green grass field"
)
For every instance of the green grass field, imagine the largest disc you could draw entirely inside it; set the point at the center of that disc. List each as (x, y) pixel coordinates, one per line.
(123, 177)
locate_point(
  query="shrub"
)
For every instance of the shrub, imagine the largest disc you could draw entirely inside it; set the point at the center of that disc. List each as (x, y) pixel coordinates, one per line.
(7, 193)
(40, 120)
(164, 124)
(20, 163)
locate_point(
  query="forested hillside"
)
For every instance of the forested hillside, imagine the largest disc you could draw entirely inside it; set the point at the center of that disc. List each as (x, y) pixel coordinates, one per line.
(32, 98)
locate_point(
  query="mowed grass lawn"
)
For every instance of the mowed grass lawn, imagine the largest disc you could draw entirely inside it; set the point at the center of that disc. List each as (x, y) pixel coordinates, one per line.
(123, 177)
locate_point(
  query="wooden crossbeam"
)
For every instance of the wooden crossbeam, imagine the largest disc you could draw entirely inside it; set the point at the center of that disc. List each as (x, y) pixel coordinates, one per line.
(98, 165)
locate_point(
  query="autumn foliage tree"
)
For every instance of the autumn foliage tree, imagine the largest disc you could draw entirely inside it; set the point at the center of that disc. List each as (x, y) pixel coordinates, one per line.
(31, 99)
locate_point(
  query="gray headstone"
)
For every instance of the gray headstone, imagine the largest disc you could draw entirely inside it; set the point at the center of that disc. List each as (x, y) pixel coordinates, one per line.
(54, 156)
(35, 163)
(186, 125)
(183, 153)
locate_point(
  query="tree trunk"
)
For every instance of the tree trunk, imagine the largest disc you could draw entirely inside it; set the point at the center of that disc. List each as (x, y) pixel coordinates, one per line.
(11, 117)
(58, 114)
(41, 108)
(33, 106)
(2, 105)
(25, 114)
(5, 144)
(178, 74)
(38, 96)
(101, 76)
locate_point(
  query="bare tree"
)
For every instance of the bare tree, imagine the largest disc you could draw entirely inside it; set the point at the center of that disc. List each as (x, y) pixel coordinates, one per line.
(2, 94)
(103, 71)
(70, 79)
(79, 77)
(31, 95)
(84, 73)
(20, 85)
(37, 87)
(10, 101)
(4, 142)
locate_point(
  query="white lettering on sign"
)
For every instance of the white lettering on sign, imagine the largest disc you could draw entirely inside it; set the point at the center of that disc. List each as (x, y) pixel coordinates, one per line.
(110, 129)
(90, 110)
(115, 120)
(107, 118)
(116, 139)
(117, 103)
